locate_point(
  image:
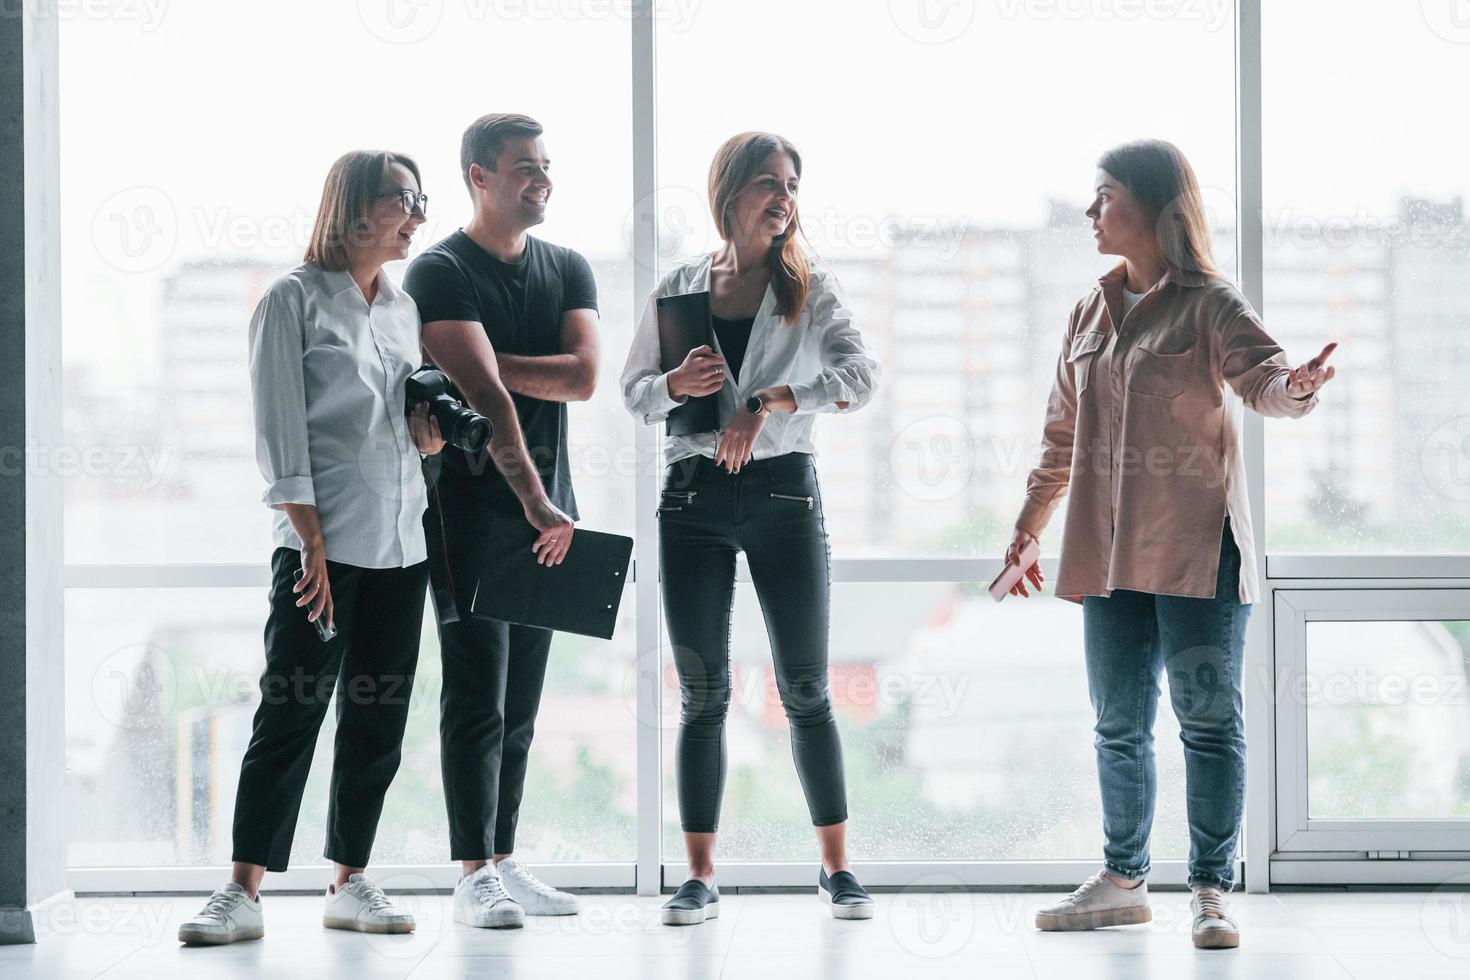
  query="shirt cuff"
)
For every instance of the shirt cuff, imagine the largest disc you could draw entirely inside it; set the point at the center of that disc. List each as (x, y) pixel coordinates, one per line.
(666, 402)
(811, 396)
(1287, 406)
(289, 490)
(1034, 516)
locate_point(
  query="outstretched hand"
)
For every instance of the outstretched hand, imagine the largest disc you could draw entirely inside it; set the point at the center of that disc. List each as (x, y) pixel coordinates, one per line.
(1312, 375)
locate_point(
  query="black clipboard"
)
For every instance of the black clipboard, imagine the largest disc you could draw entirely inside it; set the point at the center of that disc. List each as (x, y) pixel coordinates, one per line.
(684, 324)
(581, 595)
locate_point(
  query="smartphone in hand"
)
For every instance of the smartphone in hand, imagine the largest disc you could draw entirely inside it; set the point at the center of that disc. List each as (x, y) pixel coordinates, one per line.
(324, 630)
(1011, 574)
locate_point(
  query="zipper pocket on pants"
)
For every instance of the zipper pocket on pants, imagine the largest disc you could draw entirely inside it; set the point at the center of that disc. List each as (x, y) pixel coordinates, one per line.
(686, 495)
(790, 496)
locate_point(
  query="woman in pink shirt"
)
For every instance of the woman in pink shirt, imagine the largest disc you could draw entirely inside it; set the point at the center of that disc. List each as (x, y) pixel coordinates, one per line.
(1157, 545)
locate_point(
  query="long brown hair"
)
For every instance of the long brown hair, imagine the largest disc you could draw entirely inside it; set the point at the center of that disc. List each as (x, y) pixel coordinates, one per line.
(735, 165)
(347, 196)
(1159, 177)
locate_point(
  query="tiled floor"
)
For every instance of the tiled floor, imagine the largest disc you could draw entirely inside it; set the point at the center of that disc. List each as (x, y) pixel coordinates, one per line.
(1307, 935)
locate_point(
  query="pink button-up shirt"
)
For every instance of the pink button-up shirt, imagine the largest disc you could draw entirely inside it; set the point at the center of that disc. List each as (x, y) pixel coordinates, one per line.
(1140, 429)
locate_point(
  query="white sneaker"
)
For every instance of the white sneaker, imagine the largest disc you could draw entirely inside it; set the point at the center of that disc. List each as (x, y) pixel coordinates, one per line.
(1213, 926)
(229, 916)
(480, 900)
(361, 906)
(533, 894)
(1099, 902)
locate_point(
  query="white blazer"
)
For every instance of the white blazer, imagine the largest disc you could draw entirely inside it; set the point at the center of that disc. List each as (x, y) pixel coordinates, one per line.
(821, 356)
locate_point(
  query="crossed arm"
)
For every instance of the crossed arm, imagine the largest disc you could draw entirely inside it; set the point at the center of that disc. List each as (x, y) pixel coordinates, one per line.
(461, 349)
(570, 376)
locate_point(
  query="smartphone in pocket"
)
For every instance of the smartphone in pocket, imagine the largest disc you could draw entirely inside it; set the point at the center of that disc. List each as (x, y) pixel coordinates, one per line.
(324, 630)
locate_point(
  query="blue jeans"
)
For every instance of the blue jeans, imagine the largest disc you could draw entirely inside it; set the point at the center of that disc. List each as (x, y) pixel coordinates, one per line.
(1130, 638)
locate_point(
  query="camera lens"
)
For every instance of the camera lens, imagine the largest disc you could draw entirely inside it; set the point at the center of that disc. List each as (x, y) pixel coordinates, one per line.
(471, 432)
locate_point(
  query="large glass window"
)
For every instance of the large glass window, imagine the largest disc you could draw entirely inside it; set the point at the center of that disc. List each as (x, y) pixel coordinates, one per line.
(174, 221)
(948, 158)
(1367, 243)
(949, 155)
(949, 201)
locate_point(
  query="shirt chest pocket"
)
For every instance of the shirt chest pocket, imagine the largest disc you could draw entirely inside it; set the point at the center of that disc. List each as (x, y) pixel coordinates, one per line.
(1083, 355)
(1160, 364)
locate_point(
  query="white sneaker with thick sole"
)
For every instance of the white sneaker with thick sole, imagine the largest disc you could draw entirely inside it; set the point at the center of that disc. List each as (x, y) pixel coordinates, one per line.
(229, 916)
(1100, 902)
(361, 906)
(533, 894)
(1213, 926)
(480, 900)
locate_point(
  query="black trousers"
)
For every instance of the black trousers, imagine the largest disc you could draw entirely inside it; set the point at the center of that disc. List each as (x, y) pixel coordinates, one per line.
(771, 510)
(379, 613)
(493, 676)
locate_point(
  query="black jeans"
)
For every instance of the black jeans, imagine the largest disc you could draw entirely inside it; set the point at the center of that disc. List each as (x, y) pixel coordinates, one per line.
(493, 676)
(771, 510)
(379, 613)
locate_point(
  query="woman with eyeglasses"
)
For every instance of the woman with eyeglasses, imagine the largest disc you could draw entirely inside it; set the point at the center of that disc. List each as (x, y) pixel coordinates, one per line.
(1158, 547)
(331, 344)
(786, 349)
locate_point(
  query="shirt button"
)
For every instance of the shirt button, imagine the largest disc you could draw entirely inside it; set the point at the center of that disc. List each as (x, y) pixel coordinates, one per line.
(1117, 419)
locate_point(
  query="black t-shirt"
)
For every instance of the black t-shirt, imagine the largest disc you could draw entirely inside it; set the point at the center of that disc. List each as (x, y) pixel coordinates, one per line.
(520, 305)
(734, 337)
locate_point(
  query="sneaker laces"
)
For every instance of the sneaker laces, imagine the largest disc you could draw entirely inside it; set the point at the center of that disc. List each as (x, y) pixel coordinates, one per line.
(1086, 888)
(528, 880)
(221, 903)
(372, 895)
(488, 887)
(1211, 903)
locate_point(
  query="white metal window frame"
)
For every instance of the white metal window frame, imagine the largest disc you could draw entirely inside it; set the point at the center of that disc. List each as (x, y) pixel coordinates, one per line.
(1298, 831)
(648, 873)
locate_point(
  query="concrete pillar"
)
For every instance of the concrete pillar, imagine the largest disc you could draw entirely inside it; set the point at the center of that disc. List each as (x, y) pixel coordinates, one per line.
(32, 711)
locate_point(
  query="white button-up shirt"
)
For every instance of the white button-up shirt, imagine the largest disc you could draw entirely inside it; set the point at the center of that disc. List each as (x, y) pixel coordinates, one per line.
(327, 373)
(821, 356)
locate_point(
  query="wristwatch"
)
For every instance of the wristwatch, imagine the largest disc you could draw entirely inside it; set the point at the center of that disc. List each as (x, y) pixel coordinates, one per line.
(754, 405)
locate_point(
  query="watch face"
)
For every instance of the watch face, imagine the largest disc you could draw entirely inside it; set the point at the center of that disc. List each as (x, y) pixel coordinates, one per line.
(753, 404)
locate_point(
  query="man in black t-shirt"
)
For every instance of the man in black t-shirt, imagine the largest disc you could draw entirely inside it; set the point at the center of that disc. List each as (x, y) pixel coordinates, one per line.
(497, 303)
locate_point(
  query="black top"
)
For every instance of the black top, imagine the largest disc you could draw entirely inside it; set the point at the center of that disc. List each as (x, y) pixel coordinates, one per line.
(520, 305)
(734, 337)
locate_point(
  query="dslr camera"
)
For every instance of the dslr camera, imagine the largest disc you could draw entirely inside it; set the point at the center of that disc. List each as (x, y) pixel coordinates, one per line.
(461, 427)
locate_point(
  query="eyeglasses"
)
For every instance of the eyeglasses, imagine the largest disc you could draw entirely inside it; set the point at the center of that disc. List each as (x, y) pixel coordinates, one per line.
(409, 200)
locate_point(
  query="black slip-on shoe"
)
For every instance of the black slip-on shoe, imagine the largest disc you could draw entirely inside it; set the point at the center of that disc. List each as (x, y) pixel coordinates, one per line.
(847, 898)
(692, 904)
